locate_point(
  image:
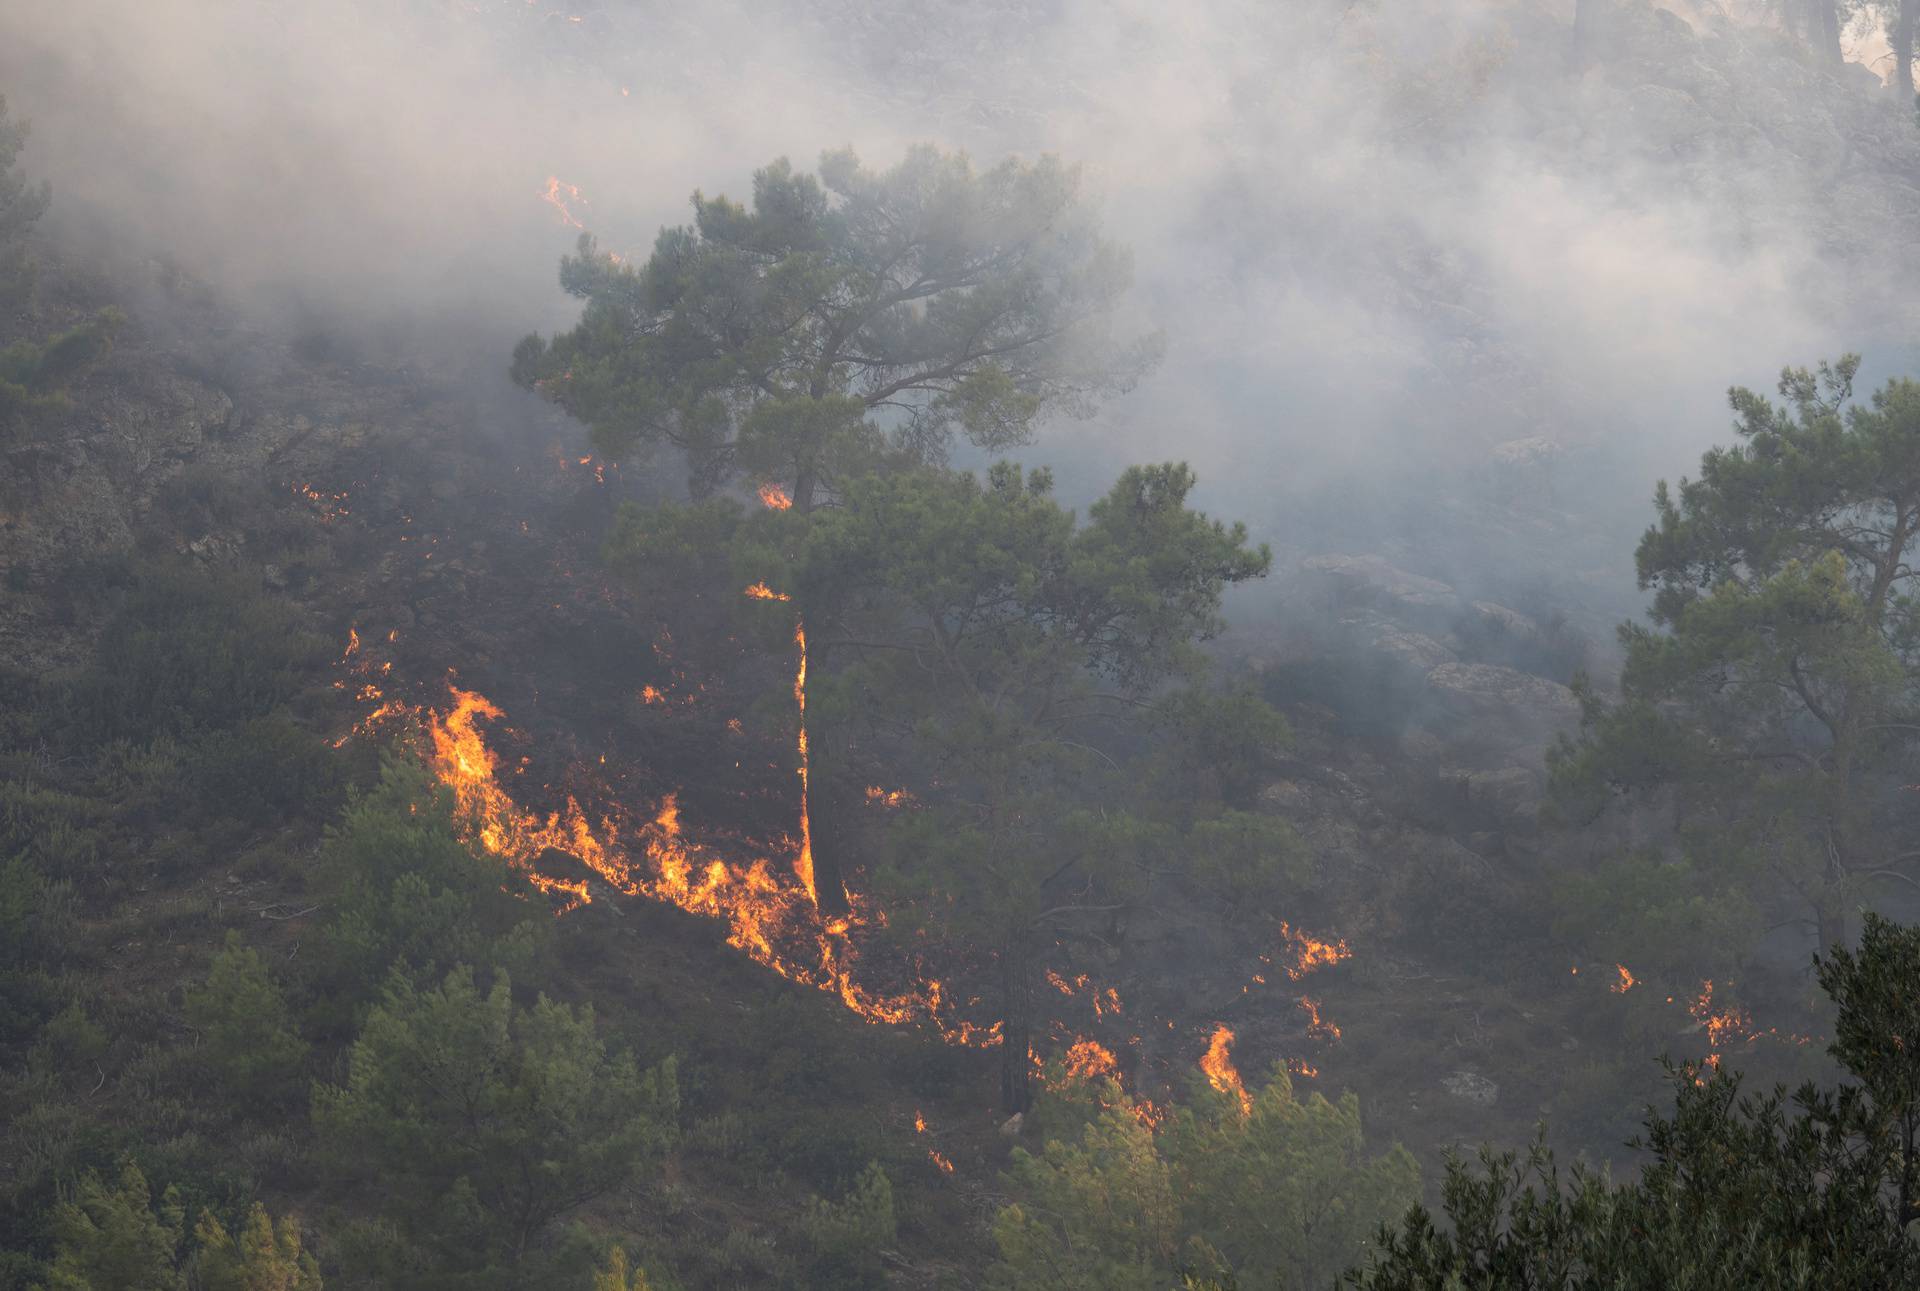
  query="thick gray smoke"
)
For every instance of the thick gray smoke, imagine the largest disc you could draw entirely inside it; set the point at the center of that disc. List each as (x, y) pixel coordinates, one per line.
(1417, 263)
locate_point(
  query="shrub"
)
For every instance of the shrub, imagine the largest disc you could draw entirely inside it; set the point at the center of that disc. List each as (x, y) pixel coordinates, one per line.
(481, 1123)
(270, 767)
(848, 1235)
(193, 651)
(407, 894)
(246, 1036)
(265, 1257)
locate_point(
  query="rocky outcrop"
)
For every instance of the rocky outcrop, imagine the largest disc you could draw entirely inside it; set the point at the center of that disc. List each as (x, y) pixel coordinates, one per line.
(1371, 580)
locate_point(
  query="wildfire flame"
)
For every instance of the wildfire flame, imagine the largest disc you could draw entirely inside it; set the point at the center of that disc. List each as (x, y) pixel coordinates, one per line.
(558, 194)
(1627, 980)
(803, 864)
(1316, 1025)
(1308, 952)
(761, 592)
(1217, 1063)
(920, 1127)
(1087, 1059)
(329, 506)
(775, 497)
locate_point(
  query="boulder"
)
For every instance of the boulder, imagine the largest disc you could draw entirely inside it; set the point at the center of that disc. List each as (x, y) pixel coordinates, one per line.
(1488, 690)
(1472, 1087)
(1371, 580)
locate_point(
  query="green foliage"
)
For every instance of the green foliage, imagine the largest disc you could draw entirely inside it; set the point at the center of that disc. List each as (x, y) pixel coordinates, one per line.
(192, 651)
(1250, 860)
(246, 1034)
(1738, 1190)
(265, 1257)
(34, 373)
(1285, 1193)
(21, 206)
(770, 339)
(1671, 919)
(271, 768)
(30, 913)
(1220, 744)
(617, 1276)
(1002, 641)
(1877, 1038)
(1097, 1215)
(406, 893)
(479, 1123)
(676, 548)
(1281, 1194)
(848, 1235)
(70, 1041)
(1770, 700)
(112, 1238)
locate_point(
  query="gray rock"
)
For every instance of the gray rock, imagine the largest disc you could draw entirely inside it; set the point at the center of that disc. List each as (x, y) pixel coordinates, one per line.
(1472, 1087)
(1370, 578)
(1489, 690)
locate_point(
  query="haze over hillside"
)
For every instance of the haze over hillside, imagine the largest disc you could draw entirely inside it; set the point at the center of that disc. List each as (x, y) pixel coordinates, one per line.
(1380, 240)
(1034, 644)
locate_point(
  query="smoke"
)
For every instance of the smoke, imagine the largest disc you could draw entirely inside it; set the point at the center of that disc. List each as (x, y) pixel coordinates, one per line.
(1385, 241)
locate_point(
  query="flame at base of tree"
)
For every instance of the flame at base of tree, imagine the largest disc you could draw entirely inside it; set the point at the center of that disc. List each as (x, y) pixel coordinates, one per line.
(774, 922)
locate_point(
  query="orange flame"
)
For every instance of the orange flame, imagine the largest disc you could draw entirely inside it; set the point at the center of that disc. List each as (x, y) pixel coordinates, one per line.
(1087, 1059)
(1217, 1063)
(803, 864)
(1309, 952)
(774, 923)
(1627, 980)
(330, 506)
(774, 497)
(761, 592)
(557, 196)
(1316, 1025)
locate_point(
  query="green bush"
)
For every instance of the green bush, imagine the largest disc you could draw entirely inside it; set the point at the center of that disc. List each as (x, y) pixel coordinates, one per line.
(70, 1041)
(115, 1237)
(246, 1035)
(406, 893)
(193, 651)
(269, 768)
(848, 1235)
(265, 1257)
(477, 1124)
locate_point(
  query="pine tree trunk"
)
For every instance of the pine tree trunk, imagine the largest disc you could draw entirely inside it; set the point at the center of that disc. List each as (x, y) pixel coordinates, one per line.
(1823, 31)
(1016, 1061)
(803, 487)
(831, 810)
